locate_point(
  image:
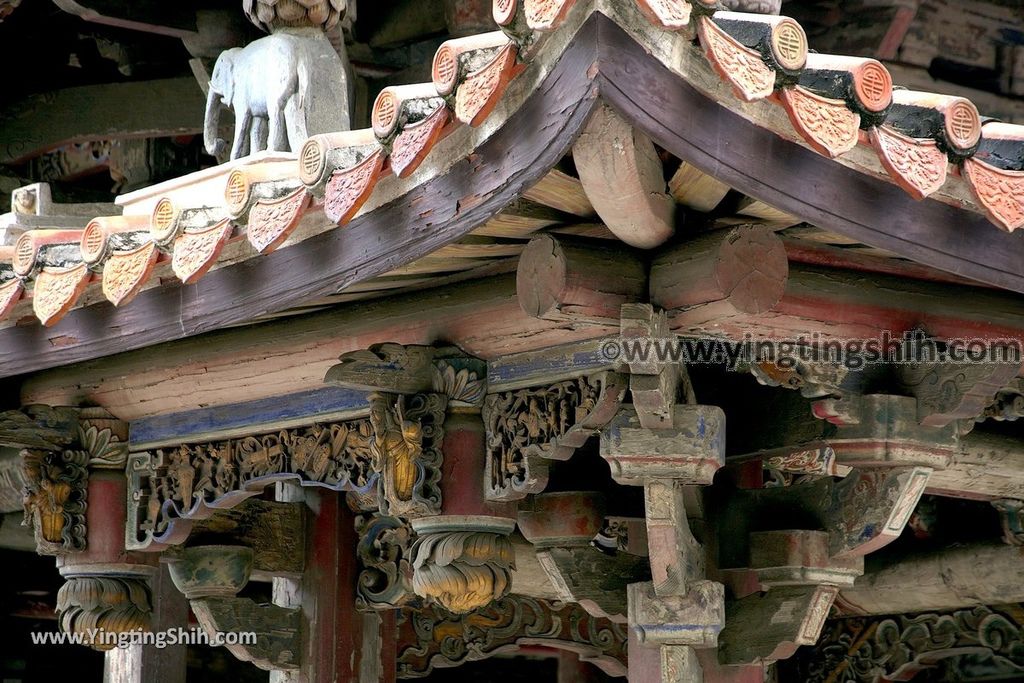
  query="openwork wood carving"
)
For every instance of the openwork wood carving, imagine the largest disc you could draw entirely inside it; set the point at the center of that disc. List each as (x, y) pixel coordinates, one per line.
(895, 649)
(528, 426)
(385, 553)
(389, 462)
(434, 638)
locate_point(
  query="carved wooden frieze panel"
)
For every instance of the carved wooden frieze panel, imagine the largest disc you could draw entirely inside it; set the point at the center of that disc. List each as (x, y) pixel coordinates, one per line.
(389, 461)
(528, 426)
(435, 638)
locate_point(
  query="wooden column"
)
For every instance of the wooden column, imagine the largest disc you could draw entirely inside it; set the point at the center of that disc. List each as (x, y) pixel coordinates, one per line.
(343, 644)
(145, 663)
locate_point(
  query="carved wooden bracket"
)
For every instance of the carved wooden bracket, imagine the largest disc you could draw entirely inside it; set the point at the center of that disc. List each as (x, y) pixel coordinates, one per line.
(98, 608)
(385, 555)
(869, 508)
(799, 558)
(882, 429)
(511, 622)
(275, 531)
(413, 369)
(947, 392)
(562, 527)
(210, 577)
(57, 478)
(695, 619)
(760, 629)
(691, 451)
(527, 427)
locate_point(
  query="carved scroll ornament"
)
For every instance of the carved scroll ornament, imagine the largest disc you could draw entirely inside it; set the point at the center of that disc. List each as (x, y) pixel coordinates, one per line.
(99, 608)
(434, 638)
(897, 648)
(389, 462)
(463, 570)
(385, 554)
(529, 426)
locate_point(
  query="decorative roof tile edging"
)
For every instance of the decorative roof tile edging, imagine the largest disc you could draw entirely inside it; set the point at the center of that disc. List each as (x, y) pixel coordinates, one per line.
(834, 103)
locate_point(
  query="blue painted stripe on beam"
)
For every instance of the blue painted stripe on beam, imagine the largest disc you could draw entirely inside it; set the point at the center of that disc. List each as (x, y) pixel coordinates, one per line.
(197, 424)
(577, 357)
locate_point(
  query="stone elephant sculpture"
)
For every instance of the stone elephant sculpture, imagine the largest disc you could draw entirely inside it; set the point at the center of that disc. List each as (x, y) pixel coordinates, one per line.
(282, 89)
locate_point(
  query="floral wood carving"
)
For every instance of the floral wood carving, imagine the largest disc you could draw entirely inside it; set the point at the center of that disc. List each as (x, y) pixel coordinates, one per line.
(185, 482)
(100, 608)
(56, 487)
(529, 426)
(827, 125)
(897, 648)
(434, 638)
(384, 551)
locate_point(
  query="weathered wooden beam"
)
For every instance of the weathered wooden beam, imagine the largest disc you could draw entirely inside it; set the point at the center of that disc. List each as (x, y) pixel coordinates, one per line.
(849, 305)
(623, 178)
(565, 278)
(727, 273)
(276, 532)
(159, 108)
(327, 404)
(38, 426)
(951, 578)
(696, 189)
(483, 315)
(766, 628)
